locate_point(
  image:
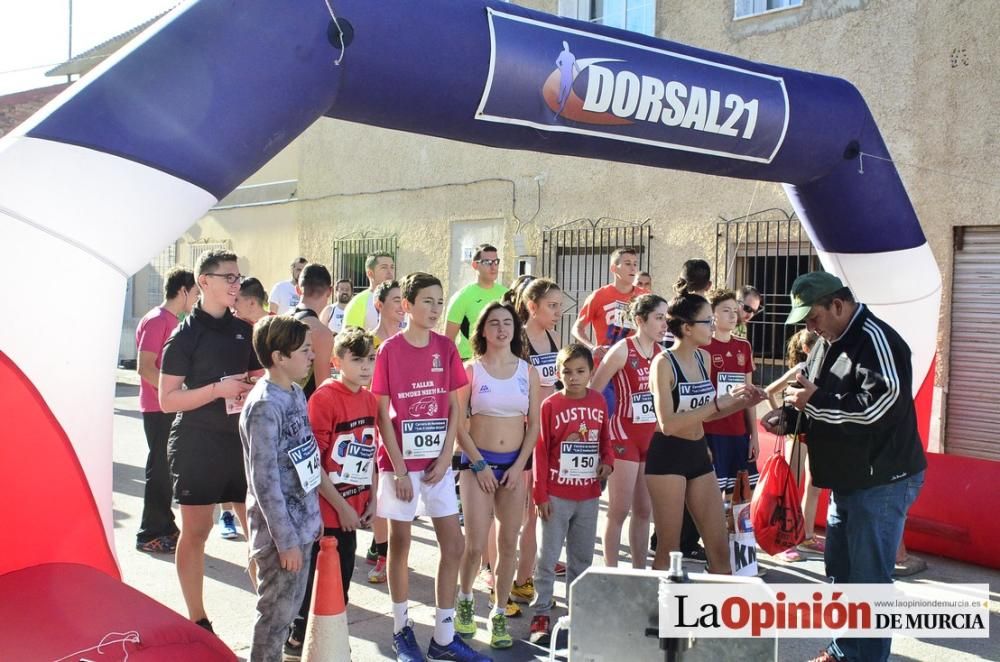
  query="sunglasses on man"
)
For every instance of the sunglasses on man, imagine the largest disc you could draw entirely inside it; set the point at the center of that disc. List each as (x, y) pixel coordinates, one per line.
(749, 310)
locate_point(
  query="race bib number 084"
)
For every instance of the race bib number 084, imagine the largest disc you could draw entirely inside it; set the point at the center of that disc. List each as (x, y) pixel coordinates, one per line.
(423, 439)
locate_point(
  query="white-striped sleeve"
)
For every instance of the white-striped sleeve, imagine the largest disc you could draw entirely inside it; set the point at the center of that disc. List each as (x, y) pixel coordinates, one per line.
(875, 410)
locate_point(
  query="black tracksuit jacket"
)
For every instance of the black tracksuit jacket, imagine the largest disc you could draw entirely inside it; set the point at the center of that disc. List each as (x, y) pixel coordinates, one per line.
(860, 424)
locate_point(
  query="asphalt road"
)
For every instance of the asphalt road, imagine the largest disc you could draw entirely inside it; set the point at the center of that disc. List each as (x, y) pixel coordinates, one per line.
(230, 601)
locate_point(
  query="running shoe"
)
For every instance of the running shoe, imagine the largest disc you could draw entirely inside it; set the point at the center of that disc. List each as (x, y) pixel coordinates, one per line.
(227, 526)
(486, 575)
(456, 651)
(377, 574)
(205, 623)
(812, 546)
(465, 621)
(790, 555)
(371, 556)
(293, 645)
(911, 565)
(161, 545)
(697, 555)
(404, 645)
(511, 611)
(499, 636)
(539, 632)
(560, 569)
(523, 593)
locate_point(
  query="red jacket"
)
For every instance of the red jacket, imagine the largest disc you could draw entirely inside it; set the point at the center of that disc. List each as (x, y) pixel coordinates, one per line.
(575, 438)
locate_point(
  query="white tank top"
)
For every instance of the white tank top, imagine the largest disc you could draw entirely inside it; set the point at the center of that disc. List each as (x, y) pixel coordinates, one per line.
(499, 397)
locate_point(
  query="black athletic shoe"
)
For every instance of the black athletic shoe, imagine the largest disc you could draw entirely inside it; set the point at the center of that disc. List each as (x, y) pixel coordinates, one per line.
(205, 623)
(292, 651)
(697, 555)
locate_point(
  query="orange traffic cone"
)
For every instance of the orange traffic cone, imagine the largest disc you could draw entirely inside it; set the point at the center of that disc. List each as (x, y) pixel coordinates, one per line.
(326, 632)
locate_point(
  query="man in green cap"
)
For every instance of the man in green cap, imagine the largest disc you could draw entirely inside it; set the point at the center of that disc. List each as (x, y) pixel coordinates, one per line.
(855, 406)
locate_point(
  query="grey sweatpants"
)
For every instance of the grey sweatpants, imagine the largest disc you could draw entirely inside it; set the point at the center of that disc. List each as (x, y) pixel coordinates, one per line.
(572, 522)
(279, 594)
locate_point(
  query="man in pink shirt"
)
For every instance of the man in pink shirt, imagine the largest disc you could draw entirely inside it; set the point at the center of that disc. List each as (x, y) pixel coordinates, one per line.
(157, 531)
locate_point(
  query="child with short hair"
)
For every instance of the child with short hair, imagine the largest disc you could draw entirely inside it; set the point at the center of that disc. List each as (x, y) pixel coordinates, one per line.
(417, 377)
(342, 414)
(571, 459)
(732, 440)
(283, 471)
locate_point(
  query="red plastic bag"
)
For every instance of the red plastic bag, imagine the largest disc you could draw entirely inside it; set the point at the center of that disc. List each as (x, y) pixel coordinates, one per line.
(775, 509)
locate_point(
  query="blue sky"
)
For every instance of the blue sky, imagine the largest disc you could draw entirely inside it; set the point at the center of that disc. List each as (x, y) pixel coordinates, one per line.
(34, 34)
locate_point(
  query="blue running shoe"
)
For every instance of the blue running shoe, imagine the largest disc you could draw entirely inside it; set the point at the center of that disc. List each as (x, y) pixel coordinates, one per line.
(227, 526)
(456, 651)
(404, 643)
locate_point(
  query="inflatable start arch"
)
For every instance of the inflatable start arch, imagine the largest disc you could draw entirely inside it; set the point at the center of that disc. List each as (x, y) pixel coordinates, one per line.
(126, 159)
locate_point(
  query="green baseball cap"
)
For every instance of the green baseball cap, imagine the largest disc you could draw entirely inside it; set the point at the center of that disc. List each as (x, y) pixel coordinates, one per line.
(807, 290)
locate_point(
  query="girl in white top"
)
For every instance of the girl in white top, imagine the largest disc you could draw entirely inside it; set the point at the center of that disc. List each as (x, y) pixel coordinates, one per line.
(502, 401)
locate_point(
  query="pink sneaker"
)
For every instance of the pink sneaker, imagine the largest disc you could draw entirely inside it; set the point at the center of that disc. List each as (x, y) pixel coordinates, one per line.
(486, 575)
(790, 555)
(377, 574)
(812, 546)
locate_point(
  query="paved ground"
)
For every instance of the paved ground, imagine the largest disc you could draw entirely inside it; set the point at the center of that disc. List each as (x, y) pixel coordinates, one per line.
(230, 601)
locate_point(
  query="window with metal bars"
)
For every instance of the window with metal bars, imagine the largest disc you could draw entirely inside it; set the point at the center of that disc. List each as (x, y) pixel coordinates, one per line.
(768, 249)
(195, 251)
(350, 253)
(577, 255)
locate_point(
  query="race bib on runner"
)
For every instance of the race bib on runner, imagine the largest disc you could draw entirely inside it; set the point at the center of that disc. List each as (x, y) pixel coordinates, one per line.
(642, 407)
(545, 364)
(306, 461)
(619, 317)
(578, 459)
(423, 439)
(234, 405)
(356, 468)
(694, 395)
(730, 380)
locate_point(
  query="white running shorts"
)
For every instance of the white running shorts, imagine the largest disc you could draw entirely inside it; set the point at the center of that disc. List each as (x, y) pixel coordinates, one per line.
(437, 500)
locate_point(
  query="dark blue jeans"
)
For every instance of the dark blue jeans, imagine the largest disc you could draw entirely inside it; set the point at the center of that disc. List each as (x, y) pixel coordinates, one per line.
(863, 531)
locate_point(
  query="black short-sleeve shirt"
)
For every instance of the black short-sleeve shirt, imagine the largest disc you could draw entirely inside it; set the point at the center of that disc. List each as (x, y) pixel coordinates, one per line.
(203, 350)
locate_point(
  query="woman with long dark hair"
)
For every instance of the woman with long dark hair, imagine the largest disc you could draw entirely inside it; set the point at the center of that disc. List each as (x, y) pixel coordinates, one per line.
(678, 467)
(501, 399)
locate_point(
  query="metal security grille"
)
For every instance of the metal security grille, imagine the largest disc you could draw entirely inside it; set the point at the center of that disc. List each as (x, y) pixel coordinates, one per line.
(195, 251)
(768, 249)
(161, 264)
(576, 255)
(350, 253)
(973, 416)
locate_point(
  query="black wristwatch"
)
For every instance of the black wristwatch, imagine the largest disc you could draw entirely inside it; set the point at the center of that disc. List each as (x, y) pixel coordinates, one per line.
(478, 466)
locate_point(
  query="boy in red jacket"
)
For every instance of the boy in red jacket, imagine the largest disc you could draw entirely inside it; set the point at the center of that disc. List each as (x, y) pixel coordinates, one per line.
(571, 459)
(342, 414)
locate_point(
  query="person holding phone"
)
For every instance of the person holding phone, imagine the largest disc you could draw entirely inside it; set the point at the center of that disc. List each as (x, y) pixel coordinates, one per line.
(857, 410)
